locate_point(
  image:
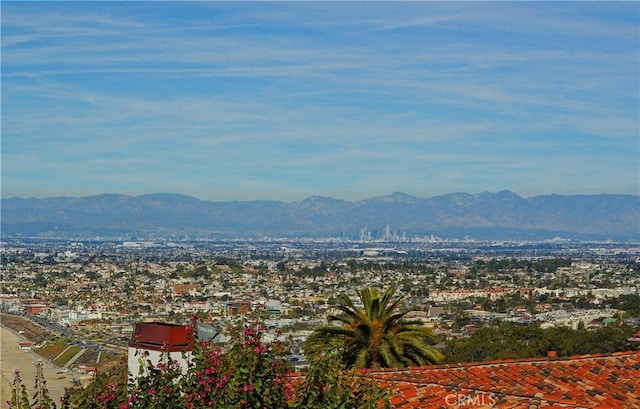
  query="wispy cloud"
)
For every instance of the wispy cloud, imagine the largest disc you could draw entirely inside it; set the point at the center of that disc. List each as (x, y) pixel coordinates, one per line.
(330, 98)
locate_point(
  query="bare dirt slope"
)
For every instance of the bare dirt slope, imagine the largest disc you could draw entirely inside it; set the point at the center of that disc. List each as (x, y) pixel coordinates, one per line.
(27, 329)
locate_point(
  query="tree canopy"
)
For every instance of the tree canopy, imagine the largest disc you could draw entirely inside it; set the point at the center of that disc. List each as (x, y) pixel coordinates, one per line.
(376, 335)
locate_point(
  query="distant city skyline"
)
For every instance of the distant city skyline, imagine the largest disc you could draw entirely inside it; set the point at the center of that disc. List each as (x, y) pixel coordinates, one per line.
(284, 100)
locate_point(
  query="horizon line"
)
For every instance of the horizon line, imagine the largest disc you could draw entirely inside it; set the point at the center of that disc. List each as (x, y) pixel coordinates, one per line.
(185, 195)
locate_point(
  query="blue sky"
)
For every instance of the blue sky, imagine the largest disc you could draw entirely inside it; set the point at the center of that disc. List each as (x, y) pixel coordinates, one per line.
(243, 101)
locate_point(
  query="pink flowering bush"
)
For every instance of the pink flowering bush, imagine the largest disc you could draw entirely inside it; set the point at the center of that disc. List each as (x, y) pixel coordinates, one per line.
(107, 390)
(19, 395)
(248, 375)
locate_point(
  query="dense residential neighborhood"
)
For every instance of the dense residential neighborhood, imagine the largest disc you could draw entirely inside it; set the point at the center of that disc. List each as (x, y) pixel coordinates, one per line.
(98, 291)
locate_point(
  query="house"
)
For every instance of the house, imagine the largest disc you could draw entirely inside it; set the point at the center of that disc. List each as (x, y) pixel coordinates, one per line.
(34, 309)
(184, 288)
(154, 342)
(237, 308)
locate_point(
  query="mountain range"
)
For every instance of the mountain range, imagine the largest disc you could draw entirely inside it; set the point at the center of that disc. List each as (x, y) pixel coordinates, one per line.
(500, 215)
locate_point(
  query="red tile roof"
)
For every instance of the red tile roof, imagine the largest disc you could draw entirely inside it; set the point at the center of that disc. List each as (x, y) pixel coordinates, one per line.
(585, 381)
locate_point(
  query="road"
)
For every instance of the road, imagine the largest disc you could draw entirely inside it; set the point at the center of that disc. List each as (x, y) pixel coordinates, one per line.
(51, 326)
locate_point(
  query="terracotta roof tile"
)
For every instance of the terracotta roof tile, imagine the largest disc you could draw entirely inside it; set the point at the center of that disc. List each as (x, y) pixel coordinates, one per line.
(587, 381)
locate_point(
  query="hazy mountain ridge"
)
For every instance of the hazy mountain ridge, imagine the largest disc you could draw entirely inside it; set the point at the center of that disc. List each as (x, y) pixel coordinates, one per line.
(484, 215)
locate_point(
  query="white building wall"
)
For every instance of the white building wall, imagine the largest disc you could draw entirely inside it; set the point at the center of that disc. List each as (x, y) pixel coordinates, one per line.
(140, 358)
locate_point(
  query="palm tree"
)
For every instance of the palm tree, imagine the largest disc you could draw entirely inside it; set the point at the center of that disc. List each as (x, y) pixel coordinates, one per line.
(375, 336)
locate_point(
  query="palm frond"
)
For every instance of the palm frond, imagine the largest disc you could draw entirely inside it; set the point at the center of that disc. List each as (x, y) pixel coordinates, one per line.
(376, 334)
(361, 359)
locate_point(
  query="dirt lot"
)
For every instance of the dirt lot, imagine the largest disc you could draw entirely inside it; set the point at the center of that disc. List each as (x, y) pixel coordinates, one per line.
(32, 332)
(14, 359)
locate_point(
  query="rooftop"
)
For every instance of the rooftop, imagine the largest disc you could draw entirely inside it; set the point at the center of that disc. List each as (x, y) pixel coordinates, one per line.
(585, 381)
